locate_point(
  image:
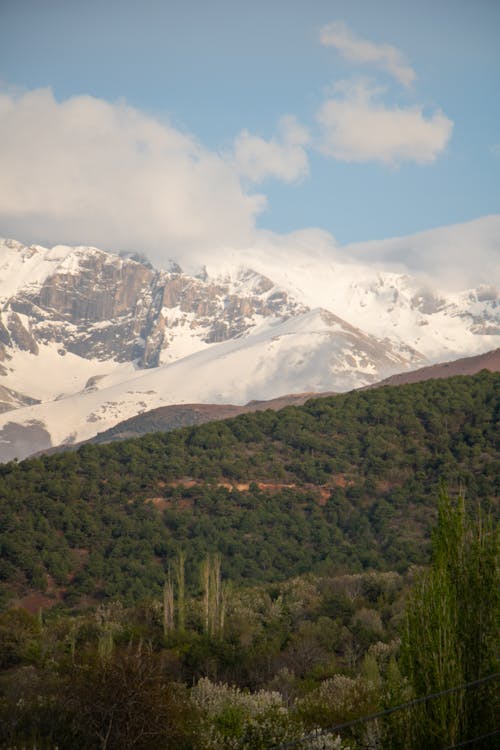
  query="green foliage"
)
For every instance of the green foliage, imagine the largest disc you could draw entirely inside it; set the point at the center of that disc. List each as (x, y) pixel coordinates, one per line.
(343, 483)
(19, 637)
(452, 629)
(310, 522)
(291, 658)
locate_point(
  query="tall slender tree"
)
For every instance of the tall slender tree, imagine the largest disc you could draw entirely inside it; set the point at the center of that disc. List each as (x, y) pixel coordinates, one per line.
(452, 629)
(205, 585)
(168, 604)
(181, 590)
(213, 595)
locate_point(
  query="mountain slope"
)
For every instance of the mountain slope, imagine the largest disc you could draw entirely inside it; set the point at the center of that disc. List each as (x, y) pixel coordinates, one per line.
(464, 366)
(307, 353)
(170, 417)
(97, 338)
(342, 483)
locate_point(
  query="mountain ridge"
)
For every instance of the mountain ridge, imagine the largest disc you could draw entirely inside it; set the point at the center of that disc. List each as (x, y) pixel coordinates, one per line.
(171, 417)
(88, 338)
(464, 366)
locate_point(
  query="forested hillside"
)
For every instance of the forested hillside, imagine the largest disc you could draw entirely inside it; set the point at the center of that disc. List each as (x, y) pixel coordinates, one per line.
(342, 484)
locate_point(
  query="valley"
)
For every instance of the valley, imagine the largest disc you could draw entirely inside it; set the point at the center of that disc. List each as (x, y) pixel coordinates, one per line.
(234, 484)
(263, 566)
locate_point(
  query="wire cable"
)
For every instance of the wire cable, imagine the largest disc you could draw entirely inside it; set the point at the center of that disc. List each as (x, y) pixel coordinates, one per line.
(474, 739)
(385, 712)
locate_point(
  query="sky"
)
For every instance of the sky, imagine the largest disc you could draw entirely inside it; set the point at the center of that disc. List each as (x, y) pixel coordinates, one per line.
(178, 129)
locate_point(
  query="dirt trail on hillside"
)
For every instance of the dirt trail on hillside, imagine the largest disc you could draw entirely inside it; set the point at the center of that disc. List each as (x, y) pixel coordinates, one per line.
(323, 491)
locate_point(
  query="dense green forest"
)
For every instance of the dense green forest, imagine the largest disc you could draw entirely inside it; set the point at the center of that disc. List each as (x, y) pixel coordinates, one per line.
(342, 484)
(269, 666)
(255, 582)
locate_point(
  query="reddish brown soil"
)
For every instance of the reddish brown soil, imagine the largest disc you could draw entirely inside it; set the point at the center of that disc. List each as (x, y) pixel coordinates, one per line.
(33, 603)
(323, 491)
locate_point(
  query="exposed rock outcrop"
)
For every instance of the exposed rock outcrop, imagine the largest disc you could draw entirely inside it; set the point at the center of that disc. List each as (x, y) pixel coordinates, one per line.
(103, 306)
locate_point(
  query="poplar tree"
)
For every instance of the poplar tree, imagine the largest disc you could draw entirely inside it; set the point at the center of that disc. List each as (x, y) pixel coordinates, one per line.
(452, 628)
(168, 605)
(214, 604)
(181, 591)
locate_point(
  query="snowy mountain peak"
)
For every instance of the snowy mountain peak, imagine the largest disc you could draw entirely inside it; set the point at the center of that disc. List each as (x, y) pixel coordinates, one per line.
(97, 337)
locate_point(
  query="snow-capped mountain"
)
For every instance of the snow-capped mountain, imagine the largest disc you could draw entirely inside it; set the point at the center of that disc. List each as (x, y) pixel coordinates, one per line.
(89, 338)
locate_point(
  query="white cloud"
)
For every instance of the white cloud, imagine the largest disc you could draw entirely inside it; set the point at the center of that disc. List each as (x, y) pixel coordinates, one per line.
(357, 50)
(454, 257)
(89, 172)
(286, 159)
(359, 128)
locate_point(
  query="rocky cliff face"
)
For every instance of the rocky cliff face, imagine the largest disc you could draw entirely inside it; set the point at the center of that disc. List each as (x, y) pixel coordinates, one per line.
(101, 306)
(88, 338)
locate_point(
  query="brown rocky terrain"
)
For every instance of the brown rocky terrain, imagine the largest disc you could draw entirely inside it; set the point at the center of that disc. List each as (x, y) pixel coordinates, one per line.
(464, 366)
(108, 307)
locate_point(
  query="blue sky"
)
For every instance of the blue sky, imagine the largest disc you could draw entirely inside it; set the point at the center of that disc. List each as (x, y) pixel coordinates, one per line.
(365, 119)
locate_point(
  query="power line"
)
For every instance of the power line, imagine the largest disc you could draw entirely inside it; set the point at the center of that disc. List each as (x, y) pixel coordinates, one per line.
(474, 739)
(386, 712)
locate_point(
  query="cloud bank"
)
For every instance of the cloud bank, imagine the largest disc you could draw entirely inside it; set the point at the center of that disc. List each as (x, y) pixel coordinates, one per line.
(89, 172)
(455, 257)
(86, 171)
